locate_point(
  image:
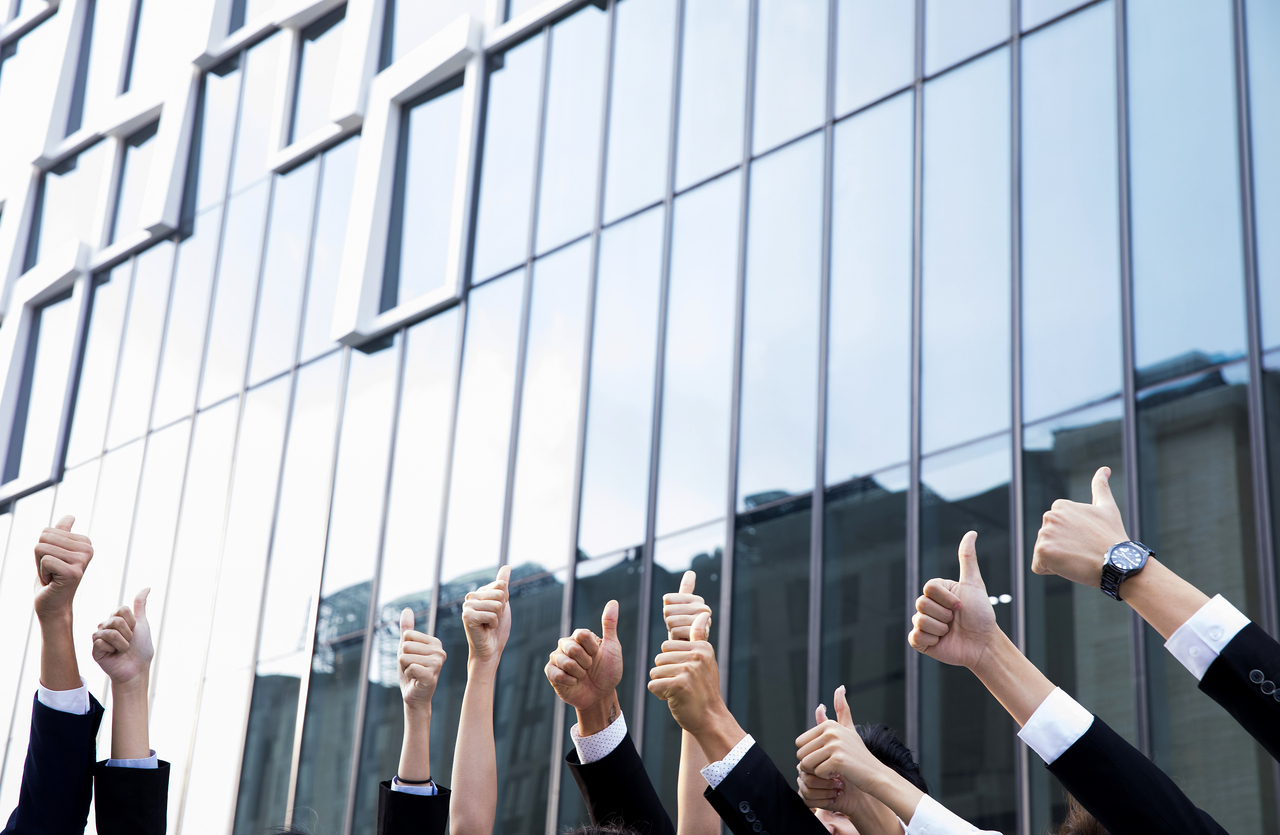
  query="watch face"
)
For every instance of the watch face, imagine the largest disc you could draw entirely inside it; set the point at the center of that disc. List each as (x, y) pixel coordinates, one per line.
(1126, 557)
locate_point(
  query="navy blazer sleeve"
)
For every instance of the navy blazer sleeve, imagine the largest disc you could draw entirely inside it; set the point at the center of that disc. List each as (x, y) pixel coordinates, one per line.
(403, 813)
(1125, 791)
(755, 799)
(618, 790)
(57, 777)
(131, 801)
(1230, 681)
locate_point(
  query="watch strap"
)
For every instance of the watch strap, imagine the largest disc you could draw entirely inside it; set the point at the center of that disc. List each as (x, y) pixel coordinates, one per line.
(1111, 577)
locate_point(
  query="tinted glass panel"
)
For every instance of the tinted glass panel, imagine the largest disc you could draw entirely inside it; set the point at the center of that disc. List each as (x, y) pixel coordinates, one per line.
(966, 737)
(1264, 121)
(965, 382)
(1070, 215)
(133, 181)
(101, 60)
(780, 328)
(615, 479)
(67, 206)
(713, 80)
(869, 349)
(410, 23)
(571, 137)
(98, 368)
(136, 378)
(37, 419)
(337, 178)
(791, 70)
(1188, 271)
(639, 105)
(188, 320)
(252, 146)
(164, 38)
(698, 378)
(510, 142)
(956, 30)
(29, 71)
(1035, 12)
(214, 135)
(875, 49)
(317, 70)
(1271, 391)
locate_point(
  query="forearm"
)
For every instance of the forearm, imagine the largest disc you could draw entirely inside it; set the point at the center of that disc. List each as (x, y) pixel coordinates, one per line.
(415, 749)
(1161, 597)
(893, 790)
(597, 717)
(58, 668)
(475, 762)
(717, 736)
(129, 735)
(694, 815)
(1013, 680)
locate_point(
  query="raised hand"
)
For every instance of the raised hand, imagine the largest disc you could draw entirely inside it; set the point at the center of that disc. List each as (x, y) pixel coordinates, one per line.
(687, 678)
(61, 560)
(954, 621)
(585, 669)
(486, 617)
(122, 645)
(681, 609)
(420, 657)
(1074, 537)
(821, 792)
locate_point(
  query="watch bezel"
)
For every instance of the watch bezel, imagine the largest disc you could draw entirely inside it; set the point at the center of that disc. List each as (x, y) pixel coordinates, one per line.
(1113, 575)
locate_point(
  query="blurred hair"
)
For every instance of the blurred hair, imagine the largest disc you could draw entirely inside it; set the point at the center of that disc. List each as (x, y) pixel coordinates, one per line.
(885, 746)
(1078, 821)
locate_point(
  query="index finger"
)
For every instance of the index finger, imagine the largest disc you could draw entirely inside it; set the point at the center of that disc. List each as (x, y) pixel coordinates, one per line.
(687, 582)
(587, 640)
(937, 591)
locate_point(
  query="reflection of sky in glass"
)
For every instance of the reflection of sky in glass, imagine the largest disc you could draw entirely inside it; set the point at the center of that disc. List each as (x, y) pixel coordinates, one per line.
(713, 80)
(1070, 215)
(1040, 436)
(133, 181)
(969, 471)
(413, 22)
(1264, 121)
(791, 70)
(217, 128)
(675, 552)
(875, 50)
(108, 47)
(188, 318)
(136, 377)
(69, 203)
(27, 81)
(262, 62)
(1035, 12)
(49, 375)
(317, 71)
(337, 179)
(98, 369)
(957, 29)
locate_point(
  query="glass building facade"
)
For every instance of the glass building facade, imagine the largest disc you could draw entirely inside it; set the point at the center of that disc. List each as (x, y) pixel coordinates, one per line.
(313, 311)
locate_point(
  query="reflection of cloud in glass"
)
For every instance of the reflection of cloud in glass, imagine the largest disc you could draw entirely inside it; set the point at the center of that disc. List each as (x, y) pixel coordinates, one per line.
(969, 471)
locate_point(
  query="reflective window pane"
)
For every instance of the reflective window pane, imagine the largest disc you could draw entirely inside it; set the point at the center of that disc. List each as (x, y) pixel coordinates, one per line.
(1271, 393)
(966, 737)
(188, 320)
(713, 82)
(778, 429)
(693, 456)
(1264, 120)
(284, 272)
(30, 516)
(133, 181)
(791, 70)
(164, 38)
(510, 142)
(615, 478)
(547, 446)
(639, 105)
(317, 71)
(957, 29)
(248, 10)
(409, 23)
(515, 8)
(144, 326)
(875, 50)
(571, 136)
(1070, 215)
(1074, 634)
(234, 294)
(1188, 270)
(337, 660)
(1193, 442)
(869, 345)
(67, 205)
(37, 414)
(29, 71)
(1035, 12)
(98, 367)
(257, 108)
(293, 578)
(423, 200)
(213, 136)
(965, 379)
(769, 654)
(102, 53)
(337, 179)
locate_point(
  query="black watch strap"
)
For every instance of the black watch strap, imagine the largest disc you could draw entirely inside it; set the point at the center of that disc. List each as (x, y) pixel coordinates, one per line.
(1111, 577)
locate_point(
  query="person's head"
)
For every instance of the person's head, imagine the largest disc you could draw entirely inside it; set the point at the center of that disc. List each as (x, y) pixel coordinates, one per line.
(885, 746)
(1078, 821)
(836, 823)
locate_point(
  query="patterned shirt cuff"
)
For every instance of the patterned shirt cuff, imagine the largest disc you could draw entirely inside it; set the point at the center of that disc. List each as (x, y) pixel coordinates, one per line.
(145, 762)
(601, 744)
(1055, 726)
(428, 790)
(717, 771)
(1202, 638)
(932, 818)
(65, 701)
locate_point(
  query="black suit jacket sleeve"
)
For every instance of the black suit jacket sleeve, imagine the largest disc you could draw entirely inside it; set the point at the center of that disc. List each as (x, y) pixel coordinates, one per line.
(1228, 682)
(755, 799)
(131, 801)
(57, 779)
(1124, 790)
(403, 813)
(618, 790)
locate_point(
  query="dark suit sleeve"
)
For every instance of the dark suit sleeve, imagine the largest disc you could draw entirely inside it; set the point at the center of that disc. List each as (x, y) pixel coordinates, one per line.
(131, 801)
(755, 799)
(402, 813)
(57, 779)
(618, 790)
(1252, 652)
(1124, 790)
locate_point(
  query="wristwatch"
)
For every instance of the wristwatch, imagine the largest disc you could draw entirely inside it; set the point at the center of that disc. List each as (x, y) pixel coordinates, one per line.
(1124, 559)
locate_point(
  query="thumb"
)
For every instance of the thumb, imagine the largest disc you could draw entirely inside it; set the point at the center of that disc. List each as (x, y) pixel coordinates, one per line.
(609, 621)
(504, 575)
(843, 715)
(1102, 488)
(969, 572)
(687, 582)
(701, 627)
(406, 620)
(65, 523)
(140, 604)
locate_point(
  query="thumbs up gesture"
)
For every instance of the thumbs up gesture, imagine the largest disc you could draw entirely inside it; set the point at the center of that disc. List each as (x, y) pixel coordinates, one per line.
(122, 645)
(420, 657)
(681, 609)
(954, 621)
(61, 560)
(1074, 537)
(833, 751)
(486, 617)
(585, 668)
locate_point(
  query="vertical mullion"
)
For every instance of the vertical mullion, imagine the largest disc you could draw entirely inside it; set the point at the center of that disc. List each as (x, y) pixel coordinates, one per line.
(438, 560)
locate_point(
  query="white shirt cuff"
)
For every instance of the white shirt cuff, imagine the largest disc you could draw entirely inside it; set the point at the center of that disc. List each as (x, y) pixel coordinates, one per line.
(715, 773)
(65, 701)
(146, 762)
(429, 790)
(601, 744)
(1055, 726)
(932, 818)
(1203, 637)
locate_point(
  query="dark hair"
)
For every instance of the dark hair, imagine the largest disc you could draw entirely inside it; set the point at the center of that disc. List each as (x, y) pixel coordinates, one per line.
(885, 746)
(1078, 820)
(604, 829)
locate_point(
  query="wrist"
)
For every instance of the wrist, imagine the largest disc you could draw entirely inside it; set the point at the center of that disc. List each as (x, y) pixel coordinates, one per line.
(719, 734)
(132, 688)
(482, 670)
(595, 718)
(416, 713)
(55, 623)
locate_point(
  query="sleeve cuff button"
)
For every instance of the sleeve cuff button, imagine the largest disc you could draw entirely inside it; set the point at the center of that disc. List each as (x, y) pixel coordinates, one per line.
(1256, 676)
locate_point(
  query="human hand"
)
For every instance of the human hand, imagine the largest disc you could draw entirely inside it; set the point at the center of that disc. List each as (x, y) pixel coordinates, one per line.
(955, 622)
(827, 793)
(833, 751)
(486, 617)
(686, 677)
(585, 669)
(1074, 537)
(61, 560)
(420, 657)
(122, 645)
(680, 610)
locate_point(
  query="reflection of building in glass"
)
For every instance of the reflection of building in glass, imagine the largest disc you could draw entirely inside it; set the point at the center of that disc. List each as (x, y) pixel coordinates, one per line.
(314, 312)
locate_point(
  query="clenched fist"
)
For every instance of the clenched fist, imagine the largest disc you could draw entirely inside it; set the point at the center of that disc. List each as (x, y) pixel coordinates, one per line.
(585, 669)
(680, 610)
(420, 657)
(122, 644)
(954, 621)
(1074, 537)
(61, 560)
(486, 617)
